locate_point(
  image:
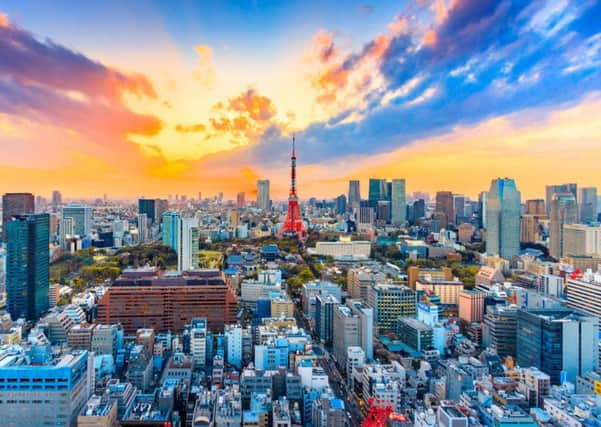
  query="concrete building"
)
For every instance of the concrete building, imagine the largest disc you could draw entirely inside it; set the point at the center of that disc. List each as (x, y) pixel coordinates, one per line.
(359, 281)
(584, 293)
(98, 412)
(471, 305)
(263, 198)
(581, 240)
(50, 392)
(198, 342)
(503, 218)
(447, 290)
(414, 333)
(389, 302)
(187, 255)
(535, 207)
(345, 248)
(500, 329)
(353, 327)
(415, 273)
(445, 207)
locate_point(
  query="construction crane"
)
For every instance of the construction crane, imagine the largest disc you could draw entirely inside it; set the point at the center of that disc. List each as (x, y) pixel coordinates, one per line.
(380, 414)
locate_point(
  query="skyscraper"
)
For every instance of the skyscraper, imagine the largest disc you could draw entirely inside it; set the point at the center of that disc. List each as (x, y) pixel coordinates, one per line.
(564, 210)
(148, 207)
(377, 191)
(482, 202)
(142, 227)
(444, 205)
(341, 204)
(535, 207)
(57, 199)
(560, 188)
(263, 201)
(240, 200)
(82, 218)
(588, 204)
(503, 218)
(188, 254)
(15, 204)
(172, 229)
(398, 206)
(27, 265)
(354, 194)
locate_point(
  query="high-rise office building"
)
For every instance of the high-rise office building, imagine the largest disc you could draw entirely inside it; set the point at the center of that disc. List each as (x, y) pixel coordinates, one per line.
(263, 200)
(324, 317)
(398, 208)
(564, 210)
(383, 212)
(444, 206)
(556, 340)
(142, 227)
(482, 203)
(82, 218)
(148, 207)
(503, 218)
(459, 209)
(560, 188)
(416, 211)
(354, 194)
(172, 221)
(377, 191)
(340, 204)
(27, 266)
(188, 253)
(587, 201)
(240, 200)
(15, 204)
(535, 207)
(57, 199)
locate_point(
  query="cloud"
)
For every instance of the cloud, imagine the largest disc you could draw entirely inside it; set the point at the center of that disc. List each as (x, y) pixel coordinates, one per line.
(199, 127)
(259, 108)
(205, 71)
(47, 82)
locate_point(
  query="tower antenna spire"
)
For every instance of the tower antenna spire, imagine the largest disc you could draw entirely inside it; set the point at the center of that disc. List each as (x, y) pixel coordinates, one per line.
(293, 225)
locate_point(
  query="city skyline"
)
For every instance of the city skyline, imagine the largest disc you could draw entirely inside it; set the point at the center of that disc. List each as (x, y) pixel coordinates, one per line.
(188, 97)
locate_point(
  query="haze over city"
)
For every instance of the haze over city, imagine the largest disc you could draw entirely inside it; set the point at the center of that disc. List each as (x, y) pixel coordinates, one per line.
(133, 98)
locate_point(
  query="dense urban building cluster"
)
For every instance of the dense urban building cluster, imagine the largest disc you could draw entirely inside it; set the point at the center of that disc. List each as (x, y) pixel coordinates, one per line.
(397, 309)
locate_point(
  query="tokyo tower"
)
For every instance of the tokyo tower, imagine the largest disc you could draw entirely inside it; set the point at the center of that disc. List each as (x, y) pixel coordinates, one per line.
(293, 226)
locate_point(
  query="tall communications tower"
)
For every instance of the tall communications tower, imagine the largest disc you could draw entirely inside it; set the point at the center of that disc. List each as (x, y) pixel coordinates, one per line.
(293, 226)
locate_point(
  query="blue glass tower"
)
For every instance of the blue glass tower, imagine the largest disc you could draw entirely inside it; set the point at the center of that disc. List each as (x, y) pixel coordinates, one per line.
(27, 266)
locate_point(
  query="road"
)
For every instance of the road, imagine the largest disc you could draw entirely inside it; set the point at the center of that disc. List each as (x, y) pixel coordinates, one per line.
(337, 381)
(339, 386)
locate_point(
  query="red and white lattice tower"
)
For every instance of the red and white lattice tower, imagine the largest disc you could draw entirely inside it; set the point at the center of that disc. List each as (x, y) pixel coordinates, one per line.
(293, 226)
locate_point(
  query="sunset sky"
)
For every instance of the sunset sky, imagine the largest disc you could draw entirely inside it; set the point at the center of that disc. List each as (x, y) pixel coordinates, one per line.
(134, 98)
